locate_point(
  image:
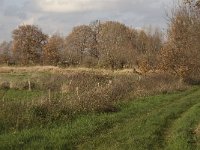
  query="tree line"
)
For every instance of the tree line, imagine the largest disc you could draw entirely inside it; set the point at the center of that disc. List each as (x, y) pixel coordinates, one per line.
(101, 44)
(114, 45)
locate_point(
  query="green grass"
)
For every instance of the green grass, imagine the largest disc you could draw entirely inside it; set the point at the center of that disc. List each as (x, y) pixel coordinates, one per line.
(13, 76)
(157, 122)
(20, 95)
(181, 133)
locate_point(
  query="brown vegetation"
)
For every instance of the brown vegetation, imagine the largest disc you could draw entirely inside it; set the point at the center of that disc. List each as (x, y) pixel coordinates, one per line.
(108, 44)
(28, 41)
(113, 45)
(105, 45)
(63, 96)
(181, 54)
(197, 131)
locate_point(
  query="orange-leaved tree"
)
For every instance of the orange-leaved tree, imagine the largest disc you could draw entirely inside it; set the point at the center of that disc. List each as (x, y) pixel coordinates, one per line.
(181, 53)
(52, 50)
(28, 41)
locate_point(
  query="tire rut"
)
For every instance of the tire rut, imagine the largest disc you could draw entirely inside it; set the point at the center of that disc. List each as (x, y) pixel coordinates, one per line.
(162, 108)
(184, 131)
(168, 127)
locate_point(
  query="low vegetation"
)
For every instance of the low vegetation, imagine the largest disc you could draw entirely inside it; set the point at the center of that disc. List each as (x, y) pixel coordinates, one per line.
(164, 121)
(108, 86)
(45, 97)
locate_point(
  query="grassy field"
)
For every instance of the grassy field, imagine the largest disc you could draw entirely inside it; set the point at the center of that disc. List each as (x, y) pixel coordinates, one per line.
(80, 108)
(166, 121)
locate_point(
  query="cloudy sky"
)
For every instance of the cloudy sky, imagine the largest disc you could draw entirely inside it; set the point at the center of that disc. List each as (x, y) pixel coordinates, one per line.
(62, 15)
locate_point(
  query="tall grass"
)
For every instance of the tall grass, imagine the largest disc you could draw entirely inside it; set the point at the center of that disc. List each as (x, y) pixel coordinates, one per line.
(60, 97)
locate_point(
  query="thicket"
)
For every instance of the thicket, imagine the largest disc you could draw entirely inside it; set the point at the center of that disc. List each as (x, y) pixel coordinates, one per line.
(62, 97)
(180, 54)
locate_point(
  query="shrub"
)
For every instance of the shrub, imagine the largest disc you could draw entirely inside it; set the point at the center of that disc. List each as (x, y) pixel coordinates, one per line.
(155, 83)
(193, 77)
(103, 98)
(4, 85)
(197, 131)
(86, 92)
(21, 85)
(48, 81)
(86, 81)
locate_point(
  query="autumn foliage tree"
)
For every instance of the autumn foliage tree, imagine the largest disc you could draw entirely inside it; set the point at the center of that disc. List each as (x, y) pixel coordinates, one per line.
(5, 52)
(52, 50)
(181, 53)
(28, 41)
(115, 45)
(110, 44)
(107, 44)
(148, 44)
(78, 44)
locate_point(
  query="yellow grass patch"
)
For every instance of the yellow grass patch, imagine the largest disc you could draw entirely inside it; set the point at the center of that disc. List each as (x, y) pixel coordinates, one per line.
(197, 131)
(54, 69)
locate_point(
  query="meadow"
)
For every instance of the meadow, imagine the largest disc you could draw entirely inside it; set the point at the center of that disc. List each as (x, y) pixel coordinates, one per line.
(104, 85)
(79, 108)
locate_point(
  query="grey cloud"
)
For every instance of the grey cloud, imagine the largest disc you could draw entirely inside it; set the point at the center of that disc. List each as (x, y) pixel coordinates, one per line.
(2, 3)
(136, 13)
(13, 11)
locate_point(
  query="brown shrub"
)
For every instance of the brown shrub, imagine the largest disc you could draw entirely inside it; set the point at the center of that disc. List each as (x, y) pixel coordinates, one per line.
(4, 85)
(85, 93)
(193, 77)
(19, 85)
(197, 131)
(103, 98)
(86, 81)
(48, 81)
(156, 83)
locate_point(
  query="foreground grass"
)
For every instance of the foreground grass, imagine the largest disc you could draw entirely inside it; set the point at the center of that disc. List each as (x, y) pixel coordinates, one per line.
(148, 130)
(197, 132)
(182, 130)
(157, 122)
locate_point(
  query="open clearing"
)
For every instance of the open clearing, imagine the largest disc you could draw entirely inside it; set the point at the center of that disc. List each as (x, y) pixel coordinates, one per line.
(166, 121)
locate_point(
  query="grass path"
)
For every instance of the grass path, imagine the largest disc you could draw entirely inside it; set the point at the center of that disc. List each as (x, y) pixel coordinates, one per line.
(182, 131)
(158, 122)
(149, 131)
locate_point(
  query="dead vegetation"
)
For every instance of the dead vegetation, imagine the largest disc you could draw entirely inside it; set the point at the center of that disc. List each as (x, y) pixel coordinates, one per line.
(155, 83)
(89, 90)
(53, 69)
(66, 93)
(197, 131)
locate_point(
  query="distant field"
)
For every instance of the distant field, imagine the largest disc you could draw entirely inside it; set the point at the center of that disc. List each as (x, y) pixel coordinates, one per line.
(51, 69)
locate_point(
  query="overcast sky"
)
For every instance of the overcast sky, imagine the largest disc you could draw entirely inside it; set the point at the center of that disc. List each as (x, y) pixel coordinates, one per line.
(62, 15)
